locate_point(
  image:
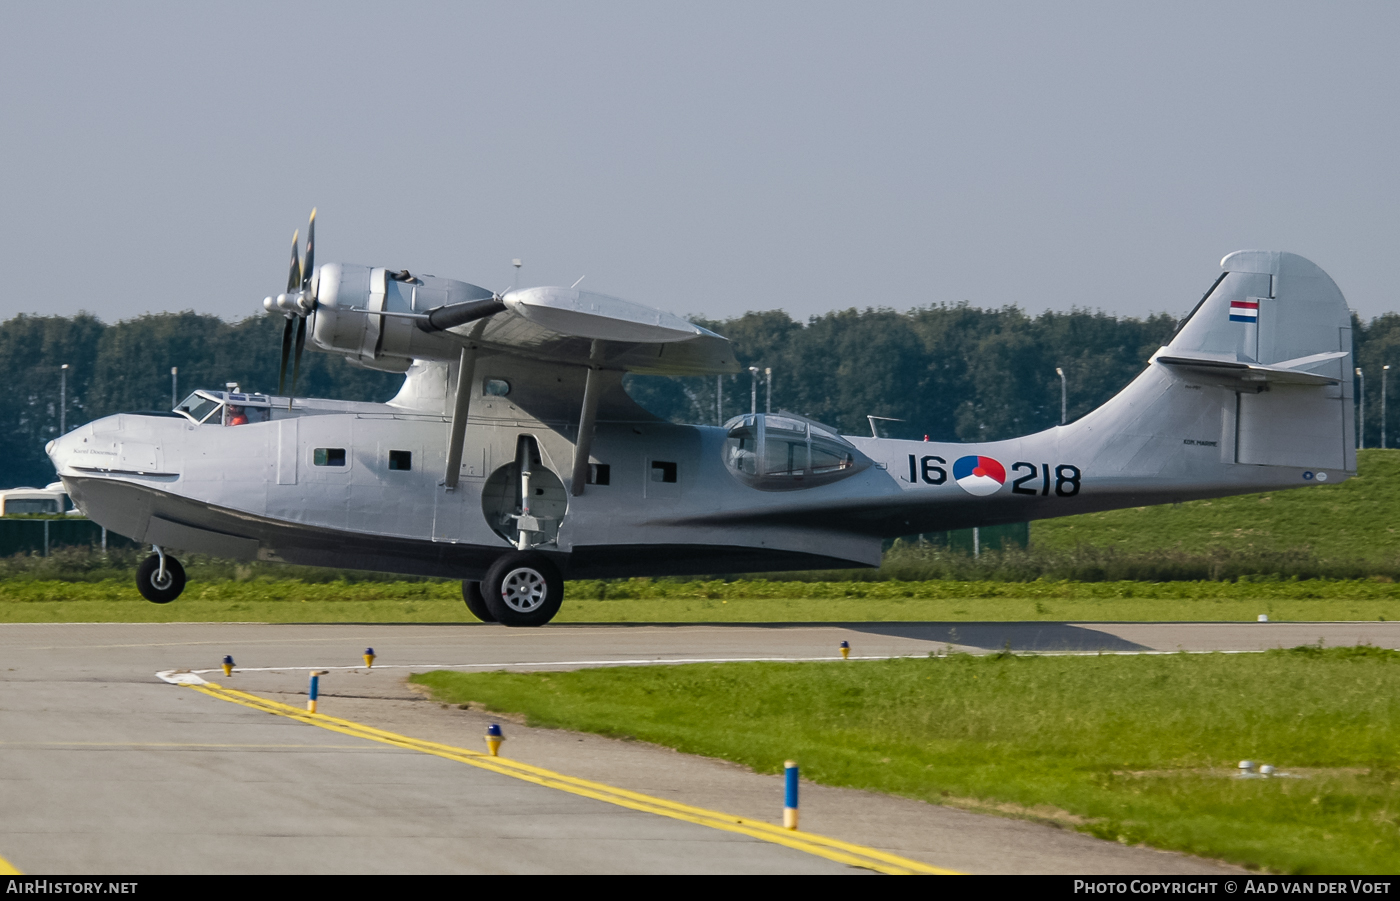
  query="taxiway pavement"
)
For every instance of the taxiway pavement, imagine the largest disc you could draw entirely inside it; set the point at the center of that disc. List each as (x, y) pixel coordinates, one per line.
(106, 769)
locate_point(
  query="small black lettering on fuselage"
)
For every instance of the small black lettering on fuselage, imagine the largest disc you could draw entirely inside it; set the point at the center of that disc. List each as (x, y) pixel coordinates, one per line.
(1200, 442)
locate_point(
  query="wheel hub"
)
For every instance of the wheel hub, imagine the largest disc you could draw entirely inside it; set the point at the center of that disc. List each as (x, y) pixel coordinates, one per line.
(524, 590)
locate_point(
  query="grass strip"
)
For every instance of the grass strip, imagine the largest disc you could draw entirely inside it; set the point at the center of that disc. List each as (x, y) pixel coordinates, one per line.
(1132, 749)
(645, 600)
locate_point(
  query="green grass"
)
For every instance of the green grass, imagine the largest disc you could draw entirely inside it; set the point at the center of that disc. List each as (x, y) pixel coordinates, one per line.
(261, 600)
(1133, 749)
(643, 600)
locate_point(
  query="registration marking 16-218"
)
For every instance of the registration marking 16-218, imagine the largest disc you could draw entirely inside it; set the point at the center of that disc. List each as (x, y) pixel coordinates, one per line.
(1034, 480)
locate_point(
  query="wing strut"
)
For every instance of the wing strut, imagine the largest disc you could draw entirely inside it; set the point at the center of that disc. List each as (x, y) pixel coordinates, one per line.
(466, 377)
(587, 419)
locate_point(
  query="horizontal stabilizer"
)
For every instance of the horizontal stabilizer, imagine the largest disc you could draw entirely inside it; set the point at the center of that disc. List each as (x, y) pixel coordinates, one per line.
(1236, 373)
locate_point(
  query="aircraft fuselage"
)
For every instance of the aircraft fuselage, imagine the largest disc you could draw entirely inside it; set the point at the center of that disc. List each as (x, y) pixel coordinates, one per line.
(360, 485)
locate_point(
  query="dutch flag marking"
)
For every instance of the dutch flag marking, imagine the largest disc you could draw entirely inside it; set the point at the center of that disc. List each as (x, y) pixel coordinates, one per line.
(1244, 311)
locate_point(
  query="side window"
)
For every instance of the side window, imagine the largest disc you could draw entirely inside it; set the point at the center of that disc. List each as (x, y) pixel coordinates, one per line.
(662, 471)
(741, 449)
(785, 449)
(328, 456)
(20, 506)
(495, 387)
(599, 474)
(830, 454)
(401, 460)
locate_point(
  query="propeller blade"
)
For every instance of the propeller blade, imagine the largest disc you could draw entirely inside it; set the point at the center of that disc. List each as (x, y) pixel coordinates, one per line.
(294, 277)
(310, 252)
(301, 342)
(286, 349)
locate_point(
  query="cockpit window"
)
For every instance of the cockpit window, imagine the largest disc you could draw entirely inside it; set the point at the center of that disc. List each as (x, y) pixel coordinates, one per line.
(779, 452)
(197, 406)
(224, 408)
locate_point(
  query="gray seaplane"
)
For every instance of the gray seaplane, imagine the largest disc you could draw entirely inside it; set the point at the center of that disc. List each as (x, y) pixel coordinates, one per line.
(513, 459)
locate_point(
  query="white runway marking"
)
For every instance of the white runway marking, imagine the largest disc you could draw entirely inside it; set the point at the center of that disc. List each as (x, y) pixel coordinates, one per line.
(192, 677)
(647, 662)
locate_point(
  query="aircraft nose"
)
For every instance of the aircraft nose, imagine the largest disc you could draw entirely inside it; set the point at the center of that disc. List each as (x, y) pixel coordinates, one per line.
(60, 449)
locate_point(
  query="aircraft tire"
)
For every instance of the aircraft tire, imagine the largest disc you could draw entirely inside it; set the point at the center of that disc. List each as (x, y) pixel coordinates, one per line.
(523, 589)
(154, 591)
(476, 604)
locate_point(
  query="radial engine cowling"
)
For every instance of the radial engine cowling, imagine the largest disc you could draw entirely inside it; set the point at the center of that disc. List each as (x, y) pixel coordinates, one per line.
(344, 321)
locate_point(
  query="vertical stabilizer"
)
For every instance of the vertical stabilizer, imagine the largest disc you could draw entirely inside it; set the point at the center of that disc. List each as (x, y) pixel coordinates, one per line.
(1275, 329)
(1268, 307)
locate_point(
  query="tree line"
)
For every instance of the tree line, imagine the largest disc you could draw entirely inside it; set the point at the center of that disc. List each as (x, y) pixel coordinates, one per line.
(960, 373)
(951, 372)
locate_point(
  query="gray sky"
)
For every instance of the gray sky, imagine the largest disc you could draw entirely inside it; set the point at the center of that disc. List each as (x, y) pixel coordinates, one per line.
(705, 158)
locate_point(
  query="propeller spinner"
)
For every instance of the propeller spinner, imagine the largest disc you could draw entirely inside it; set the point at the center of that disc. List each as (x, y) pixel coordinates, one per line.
(296, 304)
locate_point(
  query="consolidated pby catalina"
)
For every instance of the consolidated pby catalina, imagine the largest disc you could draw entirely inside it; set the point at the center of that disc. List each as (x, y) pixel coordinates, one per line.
(512, 458)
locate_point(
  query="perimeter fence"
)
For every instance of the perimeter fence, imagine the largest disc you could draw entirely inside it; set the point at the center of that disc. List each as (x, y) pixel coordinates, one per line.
(43, 535)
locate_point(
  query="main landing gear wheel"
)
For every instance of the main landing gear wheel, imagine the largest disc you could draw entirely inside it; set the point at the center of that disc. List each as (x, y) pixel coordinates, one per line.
(523, 589)
(156, 588)
(476, 604)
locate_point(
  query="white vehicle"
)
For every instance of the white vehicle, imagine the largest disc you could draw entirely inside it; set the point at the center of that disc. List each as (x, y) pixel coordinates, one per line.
(53, 498)
(512, 457)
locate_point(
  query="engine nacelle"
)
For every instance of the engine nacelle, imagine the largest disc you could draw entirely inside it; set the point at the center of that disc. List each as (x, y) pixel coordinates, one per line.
(388, 343)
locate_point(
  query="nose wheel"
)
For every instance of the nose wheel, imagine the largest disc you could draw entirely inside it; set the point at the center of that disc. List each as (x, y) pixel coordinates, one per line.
(160, 578)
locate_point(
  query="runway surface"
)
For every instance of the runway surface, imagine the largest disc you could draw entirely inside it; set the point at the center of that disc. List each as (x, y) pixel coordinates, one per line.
(106, 769)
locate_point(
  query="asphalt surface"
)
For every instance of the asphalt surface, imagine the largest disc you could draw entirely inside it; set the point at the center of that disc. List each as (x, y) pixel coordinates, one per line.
(106, 769)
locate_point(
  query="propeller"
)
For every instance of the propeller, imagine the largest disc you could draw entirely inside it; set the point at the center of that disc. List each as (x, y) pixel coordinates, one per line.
(296, 304)
(293, 284)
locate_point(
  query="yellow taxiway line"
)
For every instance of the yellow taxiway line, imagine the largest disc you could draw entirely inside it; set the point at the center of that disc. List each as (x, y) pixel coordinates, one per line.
(829, 848)
(8, 869)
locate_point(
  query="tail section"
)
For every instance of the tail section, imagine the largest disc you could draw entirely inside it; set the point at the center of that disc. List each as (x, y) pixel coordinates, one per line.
(1253, 393)
(1276, 332)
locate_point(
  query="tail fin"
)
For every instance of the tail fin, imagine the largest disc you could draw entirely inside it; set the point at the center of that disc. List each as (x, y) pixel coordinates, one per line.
(1276, 329)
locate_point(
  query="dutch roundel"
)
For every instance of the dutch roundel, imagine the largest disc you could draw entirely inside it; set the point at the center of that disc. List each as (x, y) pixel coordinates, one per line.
(979, 475)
